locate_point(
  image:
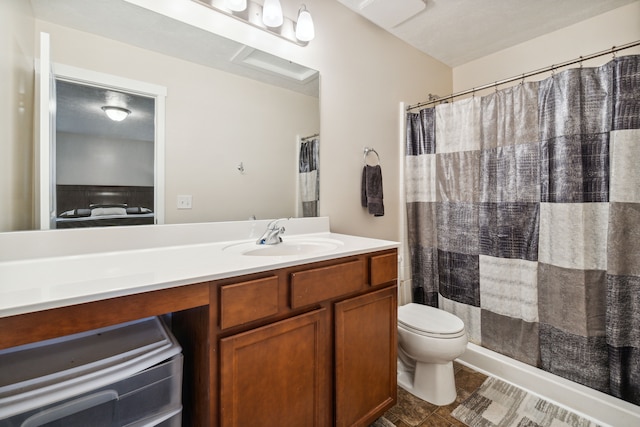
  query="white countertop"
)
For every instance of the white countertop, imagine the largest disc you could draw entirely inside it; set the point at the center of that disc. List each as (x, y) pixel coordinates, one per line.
(29, 284)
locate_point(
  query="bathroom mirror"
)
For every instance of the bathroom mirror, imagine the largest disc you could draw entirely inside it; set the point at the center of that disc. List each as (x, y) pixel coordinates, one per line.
(235, 116)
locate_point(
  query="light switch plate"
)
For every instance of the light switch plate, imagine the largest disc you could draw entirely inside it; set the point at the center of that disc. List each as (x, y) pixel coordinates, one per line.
(184, 202)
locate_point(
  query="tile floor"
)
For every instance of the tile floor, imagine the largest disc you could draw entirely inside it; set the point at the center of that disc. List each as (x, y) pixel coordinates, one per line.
(411, 411)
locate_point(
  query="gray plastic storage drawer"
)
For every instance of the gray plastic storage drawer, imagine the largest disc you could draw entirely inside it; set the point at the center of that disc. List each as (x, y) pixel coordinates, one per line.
(172, 419)
(128, 375)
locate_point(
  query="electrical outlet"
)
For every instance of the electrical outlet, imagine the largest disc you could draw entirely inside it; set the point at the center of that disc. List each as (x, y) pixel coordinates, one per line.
(184, 202)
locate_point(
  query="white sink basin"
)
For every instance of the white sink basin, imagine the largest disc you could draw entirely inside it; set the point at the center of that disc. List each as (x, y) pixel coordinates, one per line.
(289, 247)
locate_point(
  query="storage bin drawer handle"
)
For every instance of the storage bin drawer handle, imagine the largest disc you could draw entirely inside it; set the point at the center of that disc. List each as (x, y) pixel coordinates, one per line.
(68, 408)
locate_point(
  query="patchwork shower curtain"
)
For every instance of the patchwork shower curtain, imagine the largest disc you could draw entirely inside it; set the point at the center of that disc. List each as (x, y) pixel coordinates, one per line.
(309, 178)
(524, 220)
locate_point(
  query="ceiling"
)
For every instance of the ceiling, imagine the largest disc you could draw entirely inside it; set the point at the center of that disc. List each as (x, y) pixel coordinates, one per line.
(79, 110)
(458, 31)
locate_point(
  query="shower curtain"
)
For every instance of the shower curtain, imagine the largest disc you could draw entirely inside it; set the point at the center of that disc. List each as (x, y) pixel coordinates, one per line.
(309, 178)
(524, 220)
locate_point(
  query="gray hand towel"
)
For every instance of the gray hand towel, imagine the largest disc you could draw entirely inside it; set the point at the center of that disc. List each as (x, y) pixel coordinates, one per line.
(371, 194)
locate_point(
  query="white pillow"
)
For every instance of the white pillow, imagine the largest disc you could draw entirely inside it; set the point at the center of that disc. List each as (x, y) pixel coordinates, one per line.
(108, 211)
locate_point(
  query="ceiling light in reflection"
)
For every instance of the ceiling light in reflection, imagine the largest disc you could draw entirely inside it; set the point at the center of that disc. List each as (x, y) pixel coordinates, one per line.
(117, 114)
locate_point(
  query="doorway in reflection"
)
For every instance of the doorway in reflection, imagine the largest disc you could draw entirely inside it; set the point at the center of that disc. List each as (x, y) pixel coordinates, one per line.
(104, 163)
(105, 170)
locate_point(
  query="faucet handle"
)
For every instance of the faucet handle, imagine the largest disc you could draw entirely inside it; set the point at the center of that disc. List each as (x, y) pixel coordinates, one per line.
(272, 225)
(271, 236)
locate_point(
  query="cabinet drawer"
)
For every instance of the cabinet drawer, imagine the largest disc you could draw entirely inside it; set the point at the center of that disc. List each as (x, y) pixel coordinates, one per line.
(248, 301)
(384, 269)
(321, 284)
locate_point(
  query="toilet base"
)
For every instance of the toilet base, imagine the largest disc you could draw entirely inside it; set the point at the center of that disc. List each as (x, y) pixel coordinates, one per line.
(433, 382)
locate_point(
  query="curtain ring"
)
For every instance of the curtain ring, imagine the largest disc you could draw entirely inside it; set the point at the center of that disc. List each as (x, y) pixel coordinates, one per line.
(495, 86)
(522, 81)
(581, 62)
(613, 52)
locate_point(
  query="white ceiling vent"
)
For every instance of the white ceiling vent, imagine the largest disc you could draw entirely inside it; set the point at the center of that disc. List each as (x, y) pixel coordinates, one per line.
(386, 13)
(278, 66)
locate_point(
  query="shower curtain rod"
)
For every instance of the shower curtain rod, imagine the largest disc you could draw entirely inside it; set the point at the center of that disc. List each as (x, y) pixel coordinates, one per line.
(523, 76)
(309, 137)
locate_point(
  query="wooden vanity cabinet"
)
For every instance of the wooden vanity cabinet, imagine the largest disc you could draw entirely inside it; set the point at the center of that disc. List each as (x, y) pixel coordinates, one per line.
(326, 356)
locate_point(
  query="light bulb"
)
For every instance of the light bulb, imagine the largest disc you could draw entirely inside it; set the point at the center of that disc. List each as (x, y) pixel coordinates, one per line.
(117, 114)
(304, 28)
(236, 5)
(272, 13)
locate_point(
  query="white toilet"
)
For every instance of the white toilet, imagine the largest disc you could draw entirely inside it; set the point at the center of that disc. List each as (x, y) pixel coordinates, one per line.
(428, 341)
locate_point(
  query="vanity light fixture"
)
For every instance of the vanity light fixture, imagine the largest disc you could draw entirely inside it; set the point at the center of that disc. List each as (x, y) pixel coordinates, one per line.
(117, 114)
(267, 15)
(305, 31)
(272, 13)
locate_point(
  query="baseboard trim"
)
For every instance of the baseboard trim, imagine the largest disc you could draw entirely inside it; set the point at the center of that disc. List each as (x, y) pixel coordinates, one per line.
(599, 407)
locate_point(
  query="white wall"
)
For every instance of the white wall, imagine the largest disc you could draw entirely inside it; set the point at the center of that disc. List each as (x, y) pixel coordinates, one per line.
(95, 160)
(206, 137)
(16, 115)
(614, 28)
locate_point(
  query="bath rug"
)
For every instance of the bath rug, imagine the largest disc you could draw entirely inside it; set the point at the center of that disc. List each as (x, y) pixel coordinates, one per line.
(498, 404)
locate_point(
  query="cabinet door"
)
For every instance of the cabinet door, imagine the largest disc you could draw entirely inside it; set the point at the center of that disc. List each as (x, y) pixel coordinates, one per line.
(365, 351)
(277, 375)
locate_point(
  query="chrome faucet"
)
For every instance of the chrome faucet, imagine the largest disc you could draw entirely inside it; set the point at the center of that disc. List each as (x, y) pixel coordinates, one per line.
(271, 236)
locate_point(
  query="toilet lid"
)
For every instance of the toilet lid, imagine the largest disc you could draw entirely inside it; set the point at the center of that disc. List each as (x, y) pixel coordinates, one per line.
(429, 320)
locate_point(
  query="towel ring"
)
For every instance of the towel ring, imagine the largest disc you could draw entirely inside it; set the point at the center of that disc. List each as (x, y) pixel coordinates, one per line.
(368, 150)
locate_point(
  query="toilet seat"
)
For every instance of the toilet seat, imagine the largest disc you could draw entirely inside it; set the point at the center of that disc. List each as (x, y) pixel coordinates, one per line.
(429, 321)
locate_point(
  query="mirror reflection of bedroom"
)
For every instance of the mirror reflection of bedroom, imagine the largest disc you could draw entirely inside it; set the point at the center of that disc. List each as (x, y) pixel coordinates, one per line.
(104, 156)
